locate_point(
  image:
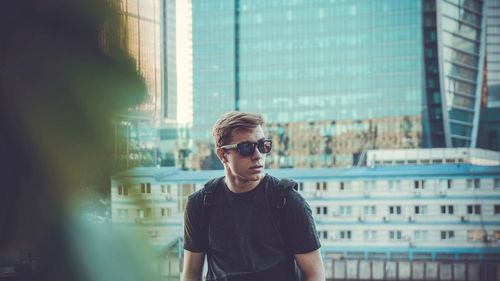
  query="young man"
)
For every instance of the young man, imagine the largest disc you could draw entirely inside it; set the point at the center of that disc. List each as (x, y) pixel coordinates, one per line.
(239, 236)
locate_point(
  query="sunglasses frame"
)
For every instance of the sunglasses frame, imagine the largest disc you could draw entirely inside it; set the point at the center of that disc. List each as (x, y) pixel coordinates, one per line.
(255, 145)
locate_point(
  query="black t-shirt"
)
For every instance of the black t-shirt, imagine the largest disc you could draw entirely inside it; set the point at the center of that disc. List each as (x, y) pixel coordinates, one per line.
(243, 241)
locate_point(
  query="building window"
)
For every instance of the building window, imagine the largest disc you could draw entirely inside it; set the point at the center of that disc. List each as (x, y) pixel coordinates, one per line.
(416, 184)
(496, 235)
(122, 213)
(395, 210)
(325, 186)
(122, 190)
(301, 186)
(370, 210)
(449, 183)
(420, 235)
(146, 187)
(397, 184)
(166, 212)
(420, 210)
(318, 186)
(370, 235)
(140, 213)
(474, 209)
(342, 185)
(496, 183)
(323, 234)
(370, 184)
(497, 209)
(395, 235)
(345, 234)
(447, 209)
(447, 234)
(166, 188)
(321, 210)
(345, 210)
(473, 183)
(475, 235)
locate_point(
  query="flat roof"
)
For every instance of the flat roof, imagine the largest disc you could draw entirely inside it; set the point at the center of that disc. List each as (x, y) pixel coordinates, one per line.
(171, 174)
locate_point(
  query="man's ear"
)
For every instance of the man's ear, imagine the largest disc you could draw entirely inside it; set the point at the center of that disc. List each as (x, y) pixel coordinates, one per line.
(221, 155)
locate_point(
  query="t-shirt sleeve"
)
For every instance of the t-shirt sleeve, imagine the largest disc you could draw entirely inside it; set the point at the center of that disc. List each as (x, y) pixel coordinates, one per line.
(195, 240)
(303, 237)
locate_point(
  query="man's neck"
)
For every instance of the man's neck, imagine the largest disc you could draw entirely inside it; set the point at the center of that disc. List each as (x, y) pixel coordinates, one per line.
(238, 185)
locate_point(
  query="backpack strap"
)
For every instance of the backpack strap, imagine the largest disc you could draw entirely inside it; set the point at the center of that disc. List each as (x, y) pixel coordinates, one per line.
(277, 198)
(208, 200)
(285, 186)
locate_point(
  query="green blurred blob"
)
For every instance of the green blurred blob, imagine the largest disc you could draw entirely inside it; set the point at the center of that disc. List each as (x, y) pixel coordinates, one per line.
(64, 74)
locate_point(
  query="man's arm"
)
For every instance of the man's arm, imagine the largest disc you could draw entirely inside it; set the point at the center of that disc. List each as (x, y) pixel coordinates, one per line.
(311, 265)
(193, 266)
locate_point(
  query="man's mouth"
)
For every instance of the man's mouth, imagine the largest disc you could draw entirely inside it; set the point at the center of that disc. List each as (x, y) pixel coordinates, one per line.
(256, 167)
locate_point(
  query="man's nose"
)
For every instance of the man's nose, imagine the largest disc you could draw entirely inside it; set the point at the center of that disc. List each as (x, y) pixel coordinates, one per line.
(256, 154)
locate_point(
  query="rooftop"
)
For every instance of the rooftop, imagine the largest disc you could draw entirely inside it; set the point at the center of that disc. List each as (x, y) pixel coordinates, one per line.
(170, 174)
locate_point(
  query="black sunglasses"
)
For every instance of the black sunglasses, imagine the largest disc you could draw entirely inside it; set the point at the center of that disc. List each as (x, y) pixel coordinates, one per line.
(248, 148)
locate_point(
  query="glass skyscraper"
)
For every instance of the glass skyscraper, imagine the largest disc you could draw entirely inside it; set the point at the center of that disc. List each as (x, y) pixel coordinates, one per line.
(334, 78)
(151, 40)
(493, 52)
(489, 129)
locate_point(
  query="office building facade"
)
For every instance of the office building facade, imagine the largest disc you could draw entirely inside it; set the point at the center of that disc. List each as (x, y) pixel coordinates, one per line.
(334, 78)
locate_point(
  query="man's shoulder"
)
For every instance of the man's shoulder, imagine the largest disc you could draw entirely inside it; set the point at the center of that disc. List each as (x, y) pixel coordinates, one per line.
(288, 188)
(274, 182)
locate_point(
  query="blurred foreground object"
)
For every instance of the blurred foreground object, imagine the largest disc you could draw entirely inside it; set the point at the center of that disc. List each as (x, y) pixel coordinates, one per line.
(63, 75)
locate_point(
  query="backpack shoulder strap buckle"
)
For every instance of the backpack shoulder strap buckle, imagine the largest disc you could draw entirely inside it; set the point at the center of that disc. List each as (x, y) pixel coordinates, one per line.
(284, 186)
(281, 201)
(208, 198)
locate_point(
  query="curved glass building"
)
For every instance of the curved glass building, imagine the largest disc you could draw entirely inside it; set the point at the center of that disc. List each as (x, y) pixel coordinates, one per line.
(335, 78)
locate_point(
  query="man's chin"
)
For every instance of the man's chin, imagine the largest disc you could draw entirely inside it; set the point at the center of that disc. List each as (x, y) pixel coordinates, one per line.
(256, 176)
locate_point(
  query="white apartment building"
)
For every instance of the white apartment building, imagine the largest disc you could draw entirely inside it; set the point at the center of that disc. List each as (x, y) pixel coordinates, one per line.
(414, 211)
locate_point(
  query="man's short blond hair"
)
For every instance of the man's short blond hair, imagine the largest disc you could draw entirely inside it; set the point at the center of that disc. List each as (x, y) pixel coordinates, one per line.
(232, 121)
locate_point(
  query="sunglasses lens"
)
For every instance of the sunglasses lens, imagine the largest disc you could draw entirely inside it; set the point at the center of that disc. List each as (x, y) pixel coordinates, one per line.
(246, 149)
(265, 146)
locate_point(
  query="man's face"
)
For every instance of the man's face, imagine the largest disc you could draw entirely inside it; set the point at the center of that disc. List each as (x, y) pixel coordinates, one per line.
(245, 168)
